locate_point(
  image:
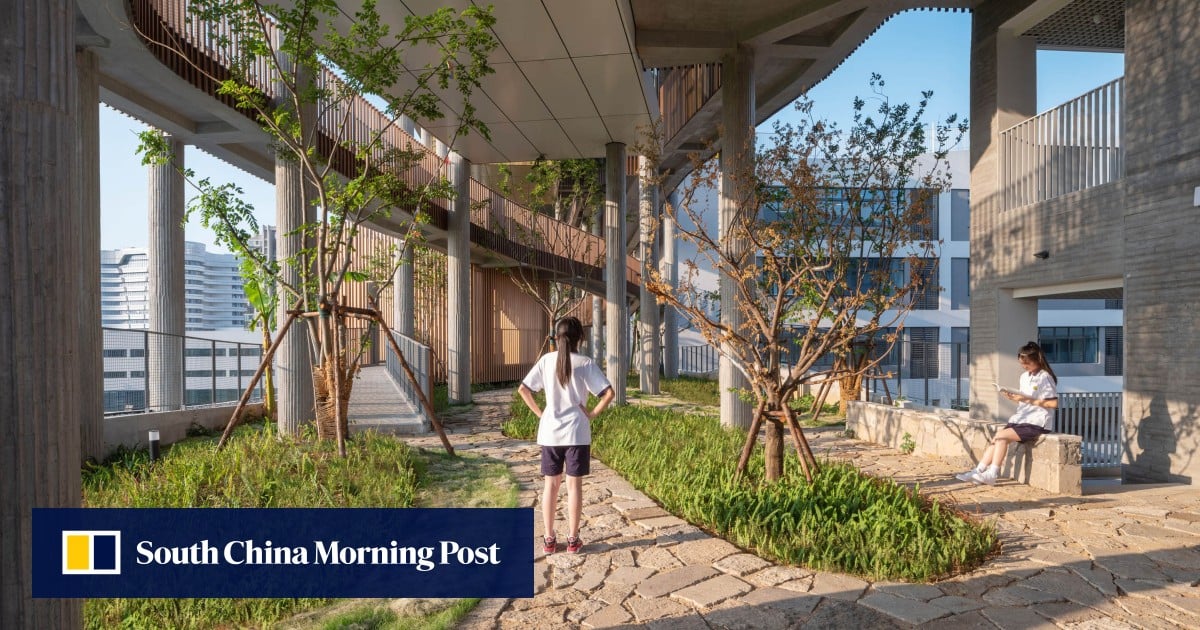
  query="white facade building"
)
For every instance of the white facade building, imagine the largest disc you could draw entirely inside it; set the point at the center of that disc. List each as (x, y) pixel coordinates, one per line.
(1082, 338)
(213, 289)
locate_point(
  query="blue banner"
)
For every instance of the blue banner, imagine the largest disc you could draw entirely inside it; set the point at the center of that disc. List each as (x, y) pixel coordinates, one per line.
(348, 552)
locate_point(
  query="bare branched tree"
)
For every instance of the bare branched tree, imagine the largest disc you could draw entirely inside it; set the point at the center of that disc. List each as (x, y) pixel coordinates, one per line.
(837, 227)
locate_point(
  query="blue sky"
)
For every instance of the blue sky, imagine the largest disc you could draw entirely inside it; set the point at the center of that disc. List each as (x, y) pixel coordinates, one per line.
(915, 51)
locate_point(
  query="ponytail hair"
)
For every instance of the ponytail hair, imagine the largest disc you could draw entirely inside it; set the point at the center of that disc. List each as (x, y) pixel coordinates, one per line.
(567, 335)
(1034, 353)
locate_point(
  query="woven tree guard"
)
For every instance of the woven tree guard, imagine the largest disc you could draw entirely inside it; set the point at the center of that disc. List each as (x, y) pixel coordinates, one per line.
(324, 384)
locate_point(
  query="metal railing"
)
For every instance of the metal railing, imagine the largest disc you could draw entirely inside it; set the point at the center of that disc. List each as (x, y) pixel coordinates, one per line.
(147, 371)
(927, 373)
(1096, 418)
(1074, 146)
(698, 359)
(420, 361)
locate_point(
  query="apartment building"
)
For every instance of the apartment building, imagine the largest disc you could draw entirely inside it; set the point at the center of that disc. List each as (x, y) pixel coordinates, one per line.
(213, 293)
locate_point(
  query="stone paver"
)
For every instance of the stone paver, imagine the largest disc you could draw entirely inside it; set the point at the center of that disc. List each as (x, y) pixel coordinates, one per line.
(1125, 557)
(712, 592)
(909, 610)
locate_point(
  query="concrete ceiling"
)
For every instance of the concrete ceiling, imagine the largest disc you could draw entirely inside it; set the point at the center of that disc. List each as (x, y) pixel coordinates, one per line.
(1091, 25)
(566, 82)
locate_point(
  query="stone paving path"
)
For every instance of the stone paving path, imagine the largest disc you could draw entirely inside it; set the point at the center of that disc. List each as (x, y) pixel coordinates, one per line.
(1118, 557)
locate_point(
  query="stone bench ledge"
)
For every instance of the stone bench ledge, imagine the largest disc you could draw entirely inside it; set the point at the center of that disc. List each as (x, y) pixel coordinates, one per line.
(1052, 463)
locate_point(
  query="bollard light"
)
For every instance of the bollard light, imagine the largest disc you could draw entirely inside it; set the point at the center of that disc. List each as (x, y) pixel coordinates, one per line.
(153, 445)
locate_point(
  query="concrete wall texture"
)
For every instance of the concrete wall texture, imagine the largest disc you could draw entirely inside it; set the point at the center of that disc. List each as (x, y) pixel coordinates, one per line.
(1162, 270)
(1140, 229)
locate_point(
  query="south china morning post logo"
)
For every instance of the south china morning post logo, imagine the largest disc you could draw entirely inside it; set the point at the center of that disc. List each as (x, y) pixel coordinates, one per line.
(91, 552)
(282, 552)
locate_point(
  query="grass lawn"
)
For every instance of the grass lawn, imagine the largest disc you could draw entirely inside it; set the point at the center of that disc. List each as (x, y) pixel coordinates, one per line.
(843, 521)
(259, 469)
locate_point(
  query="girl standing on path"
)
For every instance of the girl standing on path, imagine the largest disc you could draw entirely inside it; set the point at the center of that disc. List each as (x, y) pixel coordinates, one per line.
(1036, 401)
(564, 428)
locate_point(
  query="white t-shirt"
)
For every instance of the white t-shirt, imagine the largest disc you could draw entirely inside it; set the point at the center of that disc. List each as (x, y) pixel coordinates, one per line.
(563, 421)
(1040, 387)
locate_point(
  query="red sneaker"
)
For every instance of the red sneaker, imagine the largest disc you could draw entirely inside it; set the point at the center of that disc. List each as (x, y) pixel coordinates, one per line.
(574, 544)
(549, 544)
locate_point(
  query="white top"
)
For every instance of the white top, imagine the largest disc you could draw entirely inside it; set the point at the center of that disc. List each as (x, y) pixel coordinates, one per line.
(1040, 387)
(563, 421)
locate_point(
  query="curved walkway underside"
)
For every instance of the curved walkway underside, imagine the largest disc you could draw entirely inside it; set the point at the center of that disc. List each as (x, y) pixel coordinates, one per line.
(140, 74)
(1124, 557)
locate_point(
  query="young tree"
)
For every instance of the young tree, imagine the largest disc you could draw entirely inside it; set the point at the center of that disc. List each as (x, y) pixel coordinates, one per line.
(836, 223)
(302, 68)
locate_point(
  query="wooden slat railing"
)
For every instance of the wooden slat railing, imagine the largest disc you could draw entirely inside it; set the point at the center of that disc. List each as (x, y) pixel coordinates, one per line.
(195, 52)
(682, 91)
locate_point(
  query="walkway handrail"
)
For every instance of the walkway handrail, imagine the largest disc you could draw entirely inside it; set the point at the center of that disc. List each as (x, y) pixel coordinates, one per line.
(420, 359)
(571, 252)
(1074, 146)
(1095, 417)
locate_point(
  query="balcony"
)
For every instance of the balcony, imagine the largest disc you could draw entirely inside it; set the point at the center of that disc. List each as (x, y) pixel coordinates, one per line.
(1072, 147)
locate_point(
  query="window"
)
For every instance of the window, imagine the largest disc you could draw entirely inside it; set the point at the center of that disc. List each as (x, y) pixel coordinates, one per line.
(115, 374)
(960, 351)
(960, 215)
(1114, 351)
(1074, 344)
(199, 373)
(960, 283)
(137, 374)
(926, 227)
(108, 354)
(927, 297)
(921, 346)
(197, 352)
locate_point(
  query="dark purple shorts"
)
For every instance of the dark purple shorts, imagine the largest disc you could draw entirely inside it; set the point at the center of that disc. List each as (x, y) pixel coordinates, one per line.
(578, 460)
(1027, 432)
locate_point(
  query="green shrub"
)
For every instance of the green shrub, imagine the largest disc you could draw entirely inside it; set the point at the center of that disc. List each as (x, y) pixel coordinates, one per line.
(257, 468)
(844, 521)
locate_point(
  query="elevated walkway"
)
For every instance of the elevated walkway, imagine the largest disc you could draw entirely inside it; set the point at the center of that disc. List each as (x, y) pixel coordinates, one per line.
(377, 404)
(143, 77)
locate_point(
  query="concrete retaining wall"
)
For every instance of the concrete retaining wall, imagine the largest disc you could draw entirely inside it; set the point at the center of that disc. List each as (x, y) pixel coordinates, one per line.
(1051, 464)
(131, 430)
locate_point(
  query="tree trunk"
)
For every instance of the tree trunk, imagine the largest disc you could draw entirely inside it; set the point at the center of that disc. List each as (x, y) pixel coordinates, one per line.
(268, 377)
(774, 448)
(851, 389)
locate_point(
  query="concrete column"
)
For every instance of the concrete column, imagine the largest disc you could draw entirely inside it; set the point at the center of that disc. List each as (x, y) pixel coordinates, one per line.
(598, 302)
(648, 321)
(403, 310)
(91, 339)
(737, 145)
(1016, 324)
(40, 294)
(165, 287)
(617, 310)
(1161, 137)
(1003, 93)
(458, 283)
(293, 359)
(670, 273)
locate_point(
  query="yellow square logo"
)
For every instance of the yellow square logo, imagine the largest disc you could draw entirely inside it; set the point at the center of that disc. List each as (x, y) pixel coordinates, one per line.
(91, 552)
